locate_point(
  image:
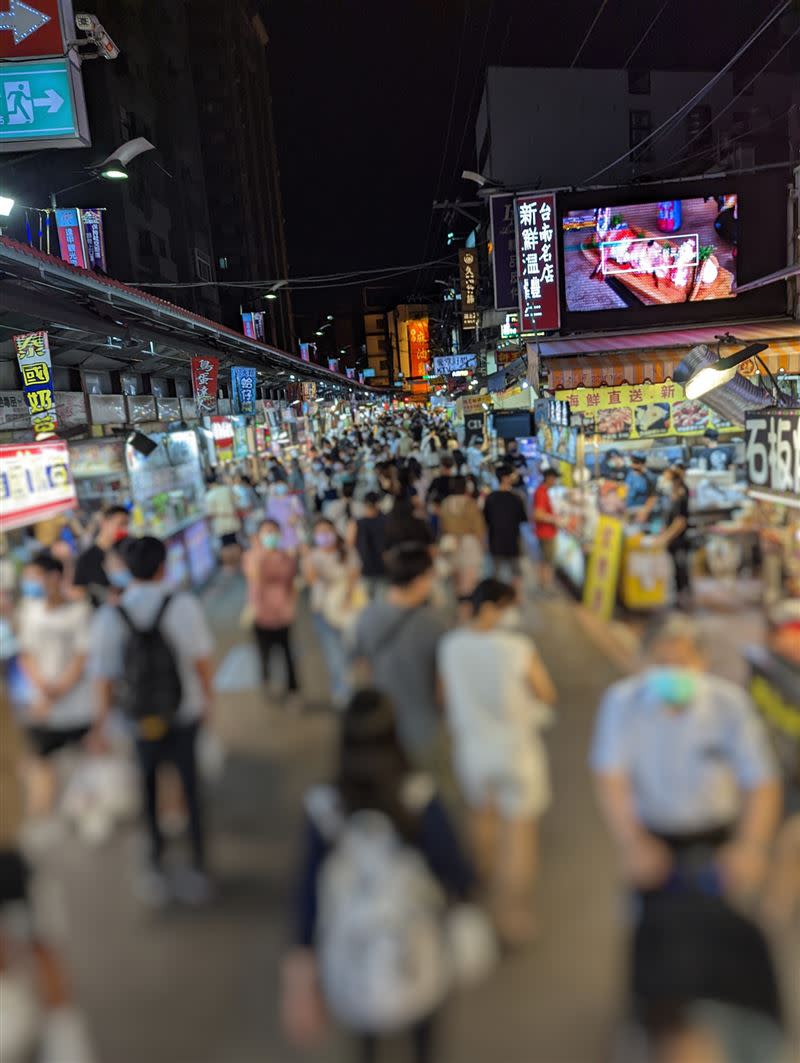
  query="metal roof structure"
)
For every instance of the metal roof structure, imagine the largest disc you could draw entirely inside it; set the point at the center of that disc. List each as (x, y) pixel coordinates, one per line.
(96, 322)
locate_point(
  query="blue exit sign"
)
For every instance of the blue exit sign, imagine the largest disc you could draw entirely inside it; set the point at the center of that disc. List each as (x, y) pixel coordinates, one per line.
(42, 105)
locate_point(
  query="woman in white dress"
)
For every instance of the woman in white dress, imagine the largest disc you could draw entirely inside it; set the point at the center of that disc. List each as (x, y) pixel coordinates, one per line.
(498, 696)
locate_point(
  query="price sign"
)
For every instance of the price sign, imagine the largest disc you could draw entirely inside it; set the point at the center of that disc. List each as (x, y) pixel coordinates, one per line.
(773, 455)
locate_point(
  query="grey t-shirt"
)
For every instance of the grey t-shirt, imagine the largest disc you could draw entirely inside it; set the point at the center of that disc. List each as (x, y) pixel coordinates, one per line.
(184, 626)
(402, 656)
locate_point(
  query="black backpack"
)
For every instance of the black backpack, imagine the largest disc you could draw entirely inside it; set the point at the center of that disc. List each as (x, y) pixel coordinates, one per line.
(151, 682)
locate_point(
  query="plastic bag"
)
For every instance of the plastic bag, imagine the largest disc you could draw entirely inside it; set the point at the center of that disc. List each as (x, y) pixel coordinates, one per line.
(472, 945)
(240, 670)
(102, 792)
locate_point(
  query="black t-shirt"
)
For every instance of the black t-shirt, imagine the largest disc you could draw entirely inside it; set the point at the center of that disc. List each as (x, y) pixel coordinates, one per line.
(504, 513)
(407, 530)
(679, 507)
(90, 572)
(440, 489)
(371, 543)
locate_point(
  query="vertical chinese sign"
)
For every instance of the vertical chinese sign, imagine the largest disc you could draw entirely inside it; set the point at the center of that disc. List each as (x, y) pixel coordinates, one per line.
(243, 389)
(35, 365)
(94, 239)
(418, 347)
(70, 236)
(205, 370)
(504, 252)
(772, 455)
(600, 589)
(537, 264)
(468, 269)
(253, 324)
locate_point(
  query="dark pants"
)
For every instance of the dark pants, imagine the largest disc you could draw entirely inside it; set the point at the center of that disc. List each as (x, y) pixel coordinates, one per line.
(176, 747)
(680, 558)
(267, 638)
(422, 1040)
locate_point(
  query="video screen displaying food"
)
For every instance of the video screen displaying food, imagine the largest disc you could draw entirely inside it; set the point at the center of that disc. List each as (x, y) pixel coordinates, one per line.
(651, 254)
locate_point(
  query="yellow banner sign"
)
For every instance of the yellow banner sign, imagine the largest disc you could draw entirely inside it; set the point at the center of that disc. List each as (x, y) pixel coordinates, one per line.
(642, 411)
(602, 578)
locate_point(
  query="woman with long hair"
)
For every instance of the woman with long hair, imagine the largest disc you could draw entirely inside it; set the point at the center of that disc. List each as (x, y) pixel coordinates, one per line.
(270, 571)
(378, 814)
(332, 574)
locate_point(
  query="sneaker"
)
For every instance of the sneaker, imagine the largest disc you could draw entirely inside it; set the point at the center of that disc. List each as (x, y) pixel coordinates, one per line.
(152, 888)
(192, 887)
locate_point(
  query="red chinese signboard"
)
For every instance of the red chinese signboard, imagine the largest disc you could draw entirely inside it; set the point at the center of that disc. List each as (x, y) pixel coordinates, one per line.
(537, 264)
(418, 347)
(31, 29)
(204, 381)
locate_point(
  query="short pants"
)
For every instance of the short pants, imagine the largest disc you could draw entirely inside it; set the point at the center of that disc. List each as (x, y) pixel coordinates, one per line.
(547, 549)
(49, 740)
(517, 784)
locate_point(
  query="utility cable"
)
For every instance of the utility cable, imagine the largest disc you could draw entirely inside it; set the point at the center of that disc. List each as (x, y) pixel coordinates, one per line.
(595, 20)
(646, 33)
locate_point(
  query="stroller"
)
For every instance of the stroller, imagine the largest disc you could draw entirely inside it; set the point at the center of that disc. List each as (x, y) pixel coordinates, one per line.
(703, 982)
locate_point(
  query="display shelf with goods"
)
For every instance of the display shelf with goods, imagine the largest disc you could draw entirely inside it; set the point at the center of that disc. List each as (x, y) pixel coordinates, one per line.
(167, 487)
(100, 472)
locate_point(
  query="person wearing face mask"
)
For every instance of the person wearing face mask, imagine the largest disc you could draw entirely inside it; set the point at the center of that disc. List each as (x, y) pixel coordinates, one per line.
(270, 572)
(675, 536)
(287, 511)
(332, 575)
(682, 763)
(53, 636)
(498, 695)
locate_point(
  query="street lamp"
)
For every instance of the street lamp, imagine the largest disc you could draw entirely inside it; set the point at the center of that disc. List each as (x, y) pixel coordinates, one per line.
(707, 378)
(6, 206)
(115, 167)
(273, 292)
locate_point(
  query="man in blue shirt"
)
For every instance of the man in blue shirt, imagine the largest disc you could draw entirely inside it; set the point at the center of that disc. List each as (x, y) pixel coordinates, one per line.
(682, 760)
(641, 497)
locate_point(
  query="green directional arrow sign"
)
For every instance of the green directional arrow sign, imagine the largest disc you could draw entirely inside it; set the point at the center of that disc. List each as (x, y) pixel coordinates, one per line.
(37, 103)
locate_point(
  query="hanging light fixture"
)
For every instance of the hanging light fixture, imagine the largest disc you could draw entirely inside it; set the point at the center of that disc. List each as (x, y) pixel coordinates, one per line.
(704, 374)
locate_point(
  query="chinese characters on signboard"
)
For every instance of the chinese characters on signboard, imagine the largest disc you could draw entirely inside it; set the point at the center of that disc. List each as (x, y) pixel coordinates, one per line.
(452, 363)
(537, 264)
(204, 383)
(33, 355)
(468, 266)
(243, 381)
(418, 347)
(35, 482)
(773, 455)
(504, 252)
(70, 237)
(92, 221)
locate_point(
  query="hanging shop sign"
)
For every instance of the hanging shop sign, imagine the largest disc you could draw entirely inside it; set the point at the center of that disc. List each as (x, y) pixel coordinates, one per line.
(222, 431)
(602, 577)
(241, 446)
(772, 455)
(473, 404)
(642, 411)
(42, 105)
(33, 355)
(504, 252)
(253, 324)
(468, 269)
(205, 371)
(70, 236)
(243, 389)
(454, 363)
(333, 365)
(35, 482)
(537, 264)
(418, 346)
(94, 238)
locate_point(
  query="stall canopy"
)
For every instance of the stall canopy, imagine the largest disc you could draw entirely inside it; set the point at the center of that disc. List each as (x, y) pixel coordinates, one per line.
(652, 357)
(95, 322)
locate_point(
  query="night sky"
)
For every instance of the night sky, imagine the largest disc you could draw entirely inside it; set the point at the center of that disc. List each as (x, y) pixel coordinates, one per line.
(362, 95)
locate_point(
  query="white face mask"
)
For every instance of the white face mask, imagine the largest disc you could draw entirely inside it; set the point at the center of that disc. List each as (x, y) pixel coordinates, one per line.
(511, 619)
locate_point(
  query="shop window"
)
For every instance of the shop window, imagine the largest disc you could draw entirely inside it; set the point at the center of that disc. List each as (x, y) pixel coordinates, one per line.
(202, 265)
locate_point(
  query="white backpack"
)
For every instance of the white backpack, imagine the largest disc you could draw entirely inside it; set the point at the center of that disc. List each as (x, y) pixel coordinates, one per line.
(381, 943)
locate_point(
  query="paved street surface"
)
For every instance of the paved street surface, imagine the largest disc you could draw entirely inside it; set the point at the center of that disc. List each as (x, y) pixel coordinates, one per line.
(202, 987)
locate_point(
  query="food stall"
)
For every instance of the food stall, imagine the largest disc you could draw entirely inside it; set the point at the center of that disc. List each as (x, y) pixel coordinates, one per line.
(100, 472)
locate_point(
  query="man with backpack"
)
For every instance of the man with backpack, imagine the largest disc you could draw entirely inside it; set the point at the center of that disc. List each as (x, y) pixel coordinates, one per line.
(152, 656)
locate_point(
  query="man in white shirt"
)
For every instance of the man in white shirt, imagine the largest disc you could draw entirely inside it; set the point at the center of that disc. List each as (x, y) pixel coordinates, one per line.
(225, 523)
(184, 628)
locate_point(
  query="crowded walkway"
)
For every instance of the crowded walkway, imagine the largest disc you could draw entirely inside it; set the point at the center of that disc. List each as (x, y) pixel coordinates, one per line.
(372, 565)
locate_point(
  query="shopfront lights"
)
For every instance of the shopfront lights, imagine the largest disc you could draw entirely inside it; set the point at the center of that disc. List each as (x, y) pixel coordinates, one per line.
(721, 372)
(6, 206)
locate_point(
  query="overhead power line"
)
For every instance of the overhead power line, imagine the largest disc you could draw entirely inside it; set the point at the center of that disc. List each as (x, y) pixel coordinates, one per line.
(595, 20)
(684, 110)
(646, 33)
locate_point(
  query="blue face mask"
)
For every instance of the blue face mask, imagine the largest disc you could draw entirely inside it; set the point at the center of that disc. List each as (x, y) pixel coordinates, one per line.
(120, 578)
(280, 489)
(31, 588)
(270, 541)
(675, 686)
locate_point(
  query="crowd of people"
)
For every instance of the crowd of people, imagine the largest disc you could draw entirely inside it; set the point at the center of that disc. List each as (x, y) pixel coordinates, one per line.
(406, 549)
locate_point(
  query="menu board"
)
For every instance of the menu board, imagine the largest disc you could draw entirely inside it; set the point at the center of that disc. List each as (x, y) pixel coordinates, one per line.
(642, 411)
